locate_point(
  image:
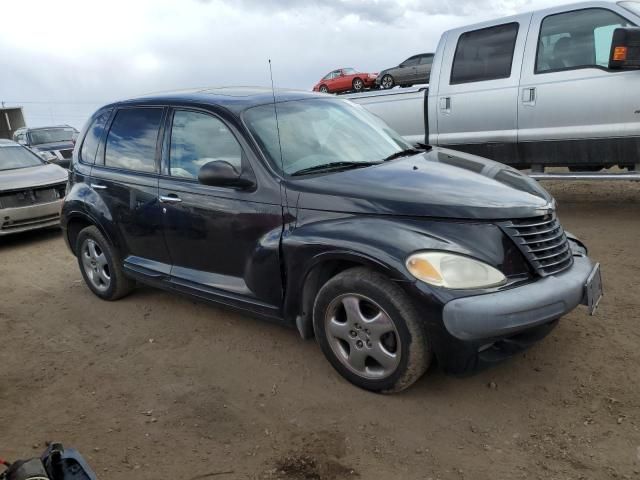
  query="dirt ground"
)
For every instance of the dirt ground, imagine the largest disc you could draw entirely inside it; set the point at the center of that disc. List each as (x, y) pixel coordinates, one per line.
(160, 386)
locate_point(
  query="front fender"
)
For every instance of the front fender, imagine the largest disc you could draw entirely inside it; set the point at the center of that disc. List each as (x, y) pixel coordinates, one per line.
(383, 243)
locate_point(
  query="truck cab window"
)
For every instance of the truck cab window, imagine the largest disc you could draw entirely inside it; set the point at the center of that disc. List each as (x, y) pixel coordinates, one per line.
(577, 39)
(485, 54)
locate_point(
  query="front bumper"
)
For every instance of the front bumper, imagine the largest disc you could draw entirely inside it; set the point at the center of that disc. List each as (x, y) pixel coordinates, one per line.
(22, 219)
(511, 311)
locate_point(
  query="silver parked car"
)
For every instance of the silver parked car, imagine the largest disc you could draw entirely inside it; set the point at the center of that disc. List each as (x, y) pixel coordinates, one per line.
(413, 70)
(31, 190)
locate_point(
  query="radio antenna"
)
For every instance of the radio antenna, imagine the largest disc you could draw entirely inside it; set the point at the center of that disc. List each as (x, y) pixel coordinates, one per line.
(275, 110)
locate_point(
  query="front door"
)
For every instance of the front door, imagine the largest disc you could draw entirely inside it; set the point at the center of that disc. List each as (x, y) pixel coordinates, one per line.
(478, 89)
(572, 109)
(223, 242)
(125, 181)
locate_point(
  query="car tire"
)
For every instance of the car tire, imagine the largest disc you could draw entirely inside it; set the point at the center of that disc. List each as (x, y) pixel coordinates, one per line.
(101, 266)
(387, 82)
(358, 85)
(370, 331)
(323, 89)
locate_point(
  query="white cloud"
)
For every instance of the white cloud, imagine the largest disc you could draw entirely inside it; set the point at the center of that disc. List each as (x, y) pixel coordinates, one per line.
(80, 54)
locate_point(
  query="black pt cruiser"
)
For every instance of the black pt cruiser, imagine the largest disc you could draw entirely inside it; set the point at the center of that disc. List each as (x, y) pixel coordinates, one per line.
(308, 210)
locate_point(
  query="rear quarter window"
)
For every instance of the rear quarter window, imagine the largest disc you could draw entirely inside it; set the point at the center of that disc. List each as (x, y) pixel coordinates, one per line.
(93, 136)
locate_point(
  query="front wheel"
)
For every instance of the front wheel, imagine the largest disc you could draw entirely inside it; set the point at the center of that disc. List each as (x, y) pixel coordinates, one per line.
(358, 85)
(387, 82)
(100, 265)
(324, 89)
(370, 331)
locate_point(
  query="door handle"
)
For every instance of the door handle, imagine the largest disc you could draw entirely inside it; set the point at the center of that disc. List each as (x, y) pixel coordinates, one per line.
(529, 96)
(97, 186)
(445, 104)
(171, 198)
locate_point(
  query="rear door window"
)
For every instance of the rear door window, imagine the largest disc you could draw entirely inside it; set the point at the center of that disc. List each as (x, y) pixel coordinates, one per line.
(92, 138)
(410, 62)
(485, 54)
(577, 39)
(131, 142)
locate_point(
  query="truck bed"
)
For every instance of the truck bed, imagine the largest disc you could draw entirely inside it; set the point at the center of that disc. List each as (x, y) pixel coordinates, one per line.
(403, 109)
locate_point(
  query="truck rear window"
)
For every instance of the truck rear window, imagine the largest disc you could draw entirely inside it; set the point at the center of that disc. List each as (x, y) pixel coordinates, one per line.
(485, 54)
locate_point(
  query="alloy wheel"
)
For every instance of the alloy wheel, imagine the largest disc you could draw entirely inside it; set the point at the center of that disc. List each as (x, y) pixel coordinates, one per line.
(387, 81)
(363, 336)
(96, 265)
(357, 85)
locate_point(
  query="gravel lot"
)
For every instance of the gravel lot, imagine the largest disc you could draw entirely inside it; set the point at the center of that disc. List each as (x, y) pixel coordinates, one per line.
(160, 386)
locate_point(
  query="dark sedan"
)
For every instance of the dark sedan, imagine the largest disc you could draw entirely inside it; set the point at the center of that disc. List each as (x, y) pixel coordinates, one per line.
(312, 212)
(414, 70)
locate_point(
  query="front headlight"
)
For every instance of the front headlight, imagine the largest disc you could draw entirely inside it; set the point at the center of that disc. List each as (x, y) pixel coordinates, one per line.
(449, 270)
(47, 156)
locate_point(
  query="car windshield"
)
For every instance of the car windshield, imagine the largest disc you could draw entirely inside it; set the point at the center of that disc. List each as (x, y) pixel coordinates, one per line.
(633, 6)
(349, 71)
(17, 157)
(52, 135)
(319, 132)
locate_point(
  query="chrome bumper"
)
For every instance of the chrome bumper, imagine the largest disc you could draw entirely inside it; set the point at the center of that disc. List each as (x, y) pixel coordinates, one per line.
(21, 219)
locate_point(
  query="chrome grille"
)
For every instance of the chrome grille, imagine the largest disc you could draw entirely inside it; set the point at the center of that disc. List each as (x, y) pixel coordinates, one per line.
(543, 242)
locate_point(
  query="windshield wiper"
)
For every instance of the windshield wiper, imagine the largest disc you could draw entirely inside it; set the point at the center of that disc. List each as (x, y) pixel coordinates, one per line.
(417, 148)
(333, 166)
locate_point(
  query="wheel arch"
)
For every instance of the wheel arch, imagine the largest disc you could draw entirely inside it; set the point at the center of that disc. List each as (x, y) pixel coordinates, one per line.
(76, 222)
(299, 301)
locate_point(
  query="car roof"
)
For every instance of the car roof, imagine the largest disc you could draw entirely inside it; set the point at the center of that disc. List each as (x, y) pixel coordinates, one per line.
(47, 127)
(235, 99)
(8, 143)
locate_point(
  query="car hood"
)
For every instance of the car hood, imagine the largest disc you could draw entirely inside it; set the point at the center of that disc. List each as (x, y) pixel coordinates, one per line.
(47, 147)
(21, 178)
(440, 183)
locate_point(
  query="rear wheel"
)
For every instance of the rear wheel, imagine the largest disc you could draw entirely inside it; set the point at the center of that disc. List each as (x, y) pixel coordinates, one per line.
(100, 265)
(324, 89)
(370, 332)
(387, 81)
(357, 84)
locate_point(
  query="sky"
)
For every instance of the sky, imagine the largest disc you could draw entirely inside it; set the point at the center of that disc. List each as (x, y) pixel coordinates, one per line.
(62, 59)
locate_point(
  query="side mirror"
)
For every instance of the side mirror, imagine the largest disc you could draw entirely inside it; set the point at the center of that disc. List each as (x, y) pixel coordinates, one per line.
(220, 173)
(625, 49)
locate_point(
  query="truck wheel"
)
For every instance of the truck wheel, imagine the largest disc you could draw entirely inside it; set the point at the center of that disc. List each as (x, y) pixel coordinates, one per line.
(100, 265)
(324, 89)
(357, 84)
(387, 82)
(370, 331)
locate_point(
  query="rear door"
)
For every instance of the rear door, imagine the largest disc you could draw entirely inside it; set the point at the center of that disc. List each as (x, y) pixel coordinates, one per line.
(572, 109)
(223, 241)
(424, 68)
(408, 71)
(477, 102)
(124, 179)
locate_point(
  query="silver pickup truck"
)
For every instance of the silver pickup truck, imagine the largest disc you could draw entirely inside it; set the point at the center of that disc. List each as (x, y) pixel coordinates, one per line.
(554, 87)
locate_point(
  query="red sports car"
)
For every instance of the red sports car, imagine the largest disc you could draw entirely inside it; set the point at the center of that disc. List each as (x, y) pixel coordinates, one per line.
(345, 79)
